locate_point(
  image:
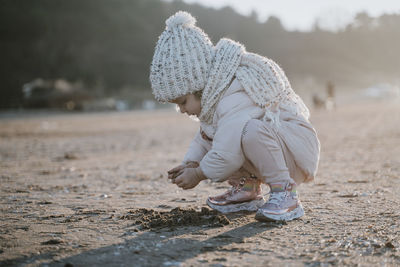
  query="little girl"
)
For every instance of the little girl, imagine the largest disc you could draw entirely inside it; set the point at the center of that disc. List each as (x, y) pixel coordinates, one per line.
(254, 128)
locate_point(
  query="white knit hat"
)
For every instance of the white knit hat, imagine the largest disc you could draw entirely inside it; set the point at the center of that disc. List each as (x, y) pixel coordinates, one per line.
(182, 59)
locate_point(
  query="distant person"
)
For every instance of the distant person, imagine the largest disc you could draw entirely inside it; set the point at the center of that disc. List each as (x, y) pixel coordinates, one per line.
(330, 102)
(254, 128)
(318, 102)
(330, 89)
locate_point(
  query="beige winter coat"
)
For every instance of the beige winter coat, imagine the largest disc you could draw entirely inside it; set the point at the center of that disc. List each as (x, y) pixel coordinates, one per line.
(222, 156)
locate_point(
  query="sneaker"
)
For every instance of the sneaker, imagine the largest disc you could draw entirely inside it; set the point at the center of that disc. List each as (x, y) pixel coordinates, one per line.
(282, 205)
(243, 196)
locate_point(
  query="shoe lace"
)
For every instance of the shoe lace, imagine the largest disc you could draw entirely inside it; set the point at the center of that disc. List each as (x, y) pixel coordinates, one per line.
(276, 197)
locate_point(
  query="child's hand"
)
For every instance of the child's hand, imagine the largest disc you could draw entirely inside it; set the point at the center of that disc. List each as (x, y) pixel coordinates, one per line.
(189, 178)
(175, 172)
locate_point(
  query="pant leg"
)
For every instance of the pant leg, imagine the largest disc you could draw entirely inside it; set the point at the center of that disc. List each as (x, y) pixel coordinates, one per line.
(267, 154)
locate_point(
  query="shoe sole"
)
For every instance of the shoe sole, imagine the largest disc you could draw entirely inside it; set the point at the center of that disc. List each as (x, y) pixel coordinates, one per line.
(244, 206)
(291, 215)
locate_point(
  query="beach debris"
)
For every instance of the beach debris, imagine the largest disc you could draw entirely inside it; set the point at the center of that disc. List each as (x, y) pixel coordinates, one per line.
(52, 242)
(357, 181)
(389, 244)
(70, 155)
(350, 195)
(44, 202)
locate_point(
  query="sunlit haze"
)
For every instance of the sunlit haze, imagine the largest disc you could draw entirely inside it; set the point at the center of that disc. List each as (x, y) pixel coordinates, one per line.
(302, 15)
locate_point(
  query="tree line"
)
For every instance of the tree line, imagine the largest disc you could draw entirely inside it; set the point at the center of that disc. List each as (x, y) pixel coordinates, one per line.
(109, 44)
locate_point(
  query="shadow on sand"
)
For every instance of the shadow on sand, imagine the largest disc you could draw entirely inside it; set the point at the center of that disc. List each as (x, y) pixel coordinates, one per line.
(158, 247)
(162, 248)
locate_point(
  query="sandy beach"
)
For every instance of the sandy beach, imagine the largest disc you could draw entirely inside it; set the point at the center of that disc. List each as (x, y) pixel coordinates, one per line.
(92, 190)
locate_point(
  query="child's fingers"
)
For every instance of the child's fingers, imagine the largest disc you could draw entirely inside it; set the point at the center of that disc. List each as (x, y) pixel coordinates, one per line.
(176, 169)
(178, 181)
(175, 174)
(186, 186)
(172, 175)
(192, 164)
(183, 184)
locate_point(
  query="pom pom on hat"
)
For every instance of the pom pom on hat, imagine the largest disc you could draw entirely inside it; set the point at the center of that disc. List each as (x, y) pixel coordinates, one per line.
(180, 18)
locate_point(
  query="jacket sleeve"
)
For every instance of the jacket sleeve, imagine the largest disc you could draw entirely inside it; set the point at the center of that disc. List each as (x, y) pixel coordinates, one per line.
(226, 155)
(197, 149)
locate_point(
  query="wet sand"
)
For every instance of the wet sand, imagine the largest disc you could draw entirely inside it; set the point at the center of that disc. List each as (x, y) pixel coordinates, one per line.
(84, 189)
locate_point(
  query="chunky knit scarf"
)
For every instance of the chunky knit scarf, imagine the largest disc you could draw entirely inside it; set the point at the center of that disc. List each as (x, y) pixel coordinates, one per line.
(263, 80)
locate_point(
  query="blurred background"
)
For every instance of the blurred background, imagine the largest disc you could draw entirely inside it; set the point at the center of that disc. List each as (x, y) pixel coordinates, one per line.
(95, 54)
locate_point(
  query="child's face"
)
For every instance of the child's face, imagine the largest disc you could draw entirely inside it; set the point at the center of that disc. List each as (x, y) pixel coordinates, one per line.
(188, 104)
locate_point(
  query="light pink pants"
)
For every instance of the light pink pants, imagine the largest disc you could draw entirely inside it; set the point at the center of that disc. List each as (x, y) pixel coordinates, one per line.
(267, 156)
